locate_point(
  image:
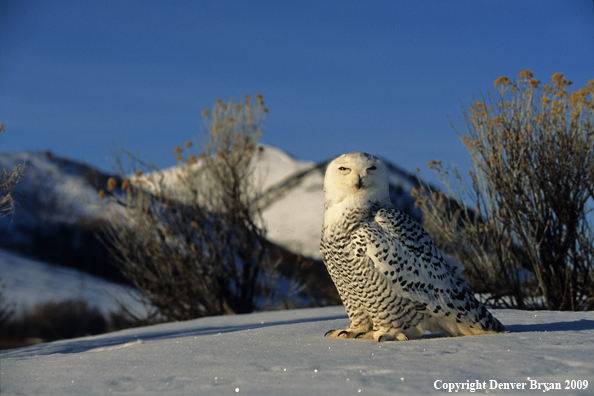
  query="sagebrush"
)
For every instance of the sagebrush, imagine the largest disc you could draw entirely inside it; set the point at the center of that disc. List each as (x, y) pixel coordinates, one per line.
(522, 225)
(191, 239)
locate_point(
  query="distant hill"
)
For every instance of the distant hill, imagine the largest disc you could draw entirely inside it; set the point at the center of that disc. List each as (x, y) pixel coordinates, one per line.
(56, 214)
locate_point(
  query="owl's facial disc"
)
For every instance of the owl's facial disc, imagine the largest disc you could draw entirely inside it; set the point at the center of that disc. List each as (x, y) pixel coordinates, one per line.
(357, 176)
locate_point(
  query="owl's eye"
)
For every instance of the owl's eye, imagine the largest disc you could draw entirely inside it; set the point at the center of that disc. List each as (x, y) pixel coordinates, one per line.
(342, 168)
(372, 168)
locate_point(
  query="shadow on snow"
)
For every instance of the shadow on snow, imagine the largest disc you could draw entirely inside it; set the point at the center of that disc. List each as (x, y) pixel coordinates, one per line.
(578, 325)
(114, 340)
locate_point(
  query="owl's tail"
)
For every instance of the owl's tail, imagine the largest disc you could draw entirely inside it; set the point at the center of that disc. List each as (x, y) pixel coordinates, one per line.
(476, 322)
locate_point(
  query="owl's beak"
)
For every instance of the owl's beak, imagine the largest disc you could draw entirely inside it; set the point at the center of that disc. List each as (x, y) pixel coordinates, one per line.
(359, 183)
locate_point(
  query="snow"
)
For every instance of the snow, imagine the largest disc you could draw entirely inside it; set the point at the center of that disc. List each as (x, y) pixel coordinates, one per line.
(56, 183)
(285, 353)
(28, 282)
(294, 220)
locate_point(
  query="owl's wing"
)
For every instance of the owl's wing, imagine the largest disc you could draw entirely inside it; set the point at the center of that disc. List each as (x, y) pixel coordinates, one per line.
(406, 255)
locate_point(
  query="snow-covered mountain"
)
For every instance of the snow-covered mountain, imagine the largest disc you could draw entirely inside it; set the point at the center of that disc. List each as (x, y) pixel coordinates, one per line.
(56, 213)
(294, 199)
(63, 193)
(54, 188)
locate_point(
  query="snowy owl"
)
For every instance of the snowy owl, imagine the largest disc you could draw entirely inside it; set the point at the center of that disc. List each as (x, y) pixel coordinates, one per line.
(391, 277)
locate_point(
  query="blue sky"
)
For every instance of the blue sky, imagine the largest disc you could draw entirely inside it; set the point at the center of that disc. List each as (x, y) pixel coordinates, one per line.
(82, 78)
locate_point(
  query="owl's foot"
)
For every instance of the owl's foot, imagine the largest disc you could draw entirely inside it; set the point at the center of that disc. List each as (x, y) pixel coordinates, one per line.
(362, 327)
(341, 334)
(390, 337)
(379, 336)
(344, 334)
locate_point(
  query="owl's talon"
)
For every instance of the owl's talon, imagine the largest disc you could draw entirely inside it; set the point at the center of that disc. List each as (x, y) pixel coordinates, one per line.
(340, 334)
(360, 335)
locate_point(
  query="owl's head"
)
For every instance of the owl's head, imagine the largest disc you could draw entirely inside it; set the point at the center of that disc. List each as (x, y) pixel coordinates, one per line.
(358, 176)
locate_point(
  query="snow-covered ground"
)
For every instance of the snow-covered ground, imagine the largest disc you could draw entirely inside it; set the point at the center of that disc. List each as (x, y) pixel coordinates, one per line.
(285, 353)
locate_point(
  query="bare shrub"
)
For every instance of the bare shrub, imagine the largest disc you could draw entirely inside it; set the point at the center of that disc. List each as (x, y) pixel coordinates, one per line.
(191, 239)
(522, 226)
